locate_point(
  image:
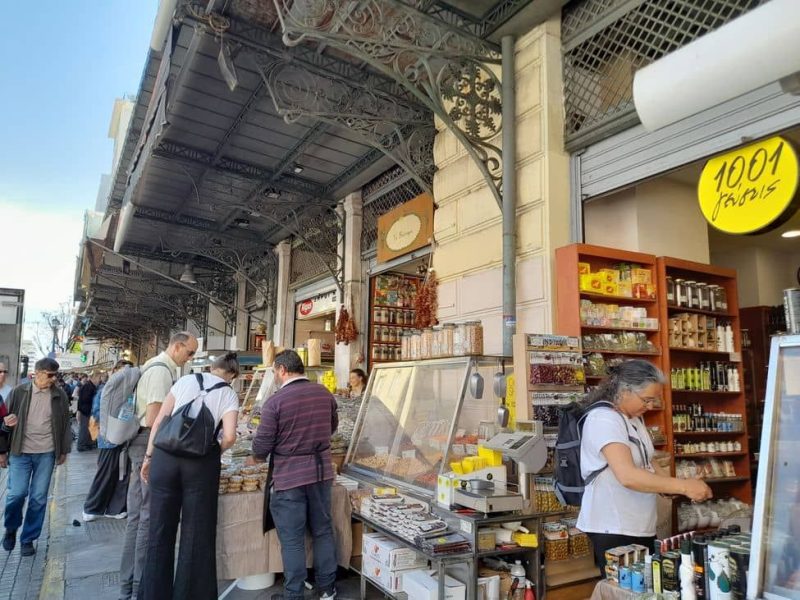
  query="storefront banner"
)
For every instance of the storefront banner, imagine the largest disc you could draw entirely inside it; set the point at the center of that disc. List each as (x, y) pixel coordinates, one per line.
(405, 228)
(751, 189)
(317, 305)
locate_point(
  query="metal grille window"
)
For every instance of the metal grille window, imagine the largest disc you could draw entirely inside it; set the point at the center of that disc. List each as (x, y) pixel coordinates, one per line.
(604, 42)
(381, 195)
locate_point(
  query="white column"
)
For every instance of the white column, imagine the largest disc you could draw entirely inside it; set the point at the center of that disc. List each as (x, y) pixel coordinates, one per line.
(242, 320)
(284, 313)
(347, 356)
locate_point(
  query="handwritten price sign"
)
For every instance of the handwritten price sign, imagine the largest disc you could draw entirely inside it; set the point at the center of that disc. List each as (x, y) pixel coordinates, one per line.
(750, 189)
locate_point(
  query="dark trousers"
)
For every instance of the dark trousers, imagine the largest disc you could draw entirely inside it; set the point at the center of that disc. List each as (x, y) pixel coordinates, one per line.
(293, 510)
(109, 492)
(605, 541)
(84, 438)
(190, 485)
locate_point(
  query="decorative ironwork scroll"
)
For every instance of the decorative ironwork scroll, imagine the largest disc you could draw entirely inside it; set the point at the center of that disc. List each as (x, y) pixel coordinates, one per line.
(403, 133)
(445, 68)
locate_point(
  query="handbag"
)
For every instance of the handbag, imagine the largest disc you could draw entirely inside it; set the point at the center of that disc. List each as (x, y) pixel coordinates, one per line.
(190, 437)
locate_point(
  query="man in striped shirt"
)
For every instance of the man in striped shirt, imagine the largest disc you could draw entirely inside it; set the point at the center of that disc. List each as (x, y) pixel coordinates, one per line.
(296, 427)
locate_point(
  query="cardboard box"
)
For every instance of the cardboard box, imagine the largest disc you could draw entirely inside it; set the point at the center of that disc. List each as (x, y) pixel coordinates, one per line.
(591, 283)
(625, 288)
(611, 288)
(424, 585)
(390, 580)
(584, 268)
(390, 554)
(358, 538)
(641, 276)
(609, 275)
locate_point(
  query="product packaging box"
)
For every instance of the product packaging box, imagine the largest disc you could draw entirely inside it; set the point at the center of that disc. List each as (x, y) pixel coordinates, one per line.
(611, 288)
(358, 538)
(584, 268)
(390, 580)
(591, 283)
(423, 585)
(641, 276)
(390, 554)
(609, 275)
(625, 288)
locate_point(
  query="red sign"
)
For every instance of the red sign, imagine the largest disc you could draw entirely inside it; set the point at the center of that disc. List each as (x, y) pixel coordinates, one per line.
(306, 308)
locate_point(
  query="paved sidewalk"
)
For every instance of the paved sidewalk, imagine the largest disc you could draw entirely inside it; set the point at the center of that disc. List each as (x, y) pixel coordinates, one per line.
(83, 558)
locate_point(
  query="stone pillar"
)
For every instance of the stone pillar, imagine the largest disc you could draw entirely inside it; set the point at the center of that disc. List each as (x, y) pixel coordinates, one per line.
(284, 313)
(350, 356)
(242, 319)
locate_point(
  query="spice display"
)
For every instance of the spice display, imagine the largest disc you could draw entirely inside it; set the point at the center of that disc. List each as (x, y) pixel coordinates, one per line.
(556, 368)
(556, 541)
(612, 315)
(473, 338)
(624, 341)
(346, 331)
(546, 405)
(426, 301)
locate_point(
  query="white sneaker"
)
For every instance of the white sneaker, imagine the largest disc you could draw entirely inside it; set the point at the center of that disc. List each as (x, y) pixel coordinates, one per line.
(87, 518)
(327, 596)
(122, 515)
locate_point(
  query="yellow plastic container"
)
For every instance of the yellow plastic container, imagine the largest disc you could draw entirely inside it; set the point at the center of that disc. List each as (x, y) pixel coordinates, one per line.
(473, 463)
(457, 468)
(526, 540)
(493, 458)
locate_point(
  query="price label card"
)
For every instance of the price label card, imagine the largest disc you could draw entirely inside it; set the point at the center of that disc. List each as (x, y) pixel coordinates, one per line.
(466, 526)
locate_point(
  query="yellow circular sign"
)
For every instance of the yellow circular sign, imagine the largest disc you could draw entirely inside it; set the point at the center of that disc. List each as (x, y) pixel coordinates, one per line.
(750, 189)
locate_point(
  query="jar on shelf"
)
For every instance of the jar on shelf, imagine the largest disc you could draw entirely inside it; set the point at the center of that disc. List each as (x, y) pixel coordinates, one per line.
(448, 338)
(376, 352)
(680, 293)
(426, 343)
(405, 338)
(702, 294)
(670, 291)
(473, 338)
(691, 294)
(722, 299)
(397, 353)
(459, 337)
(436, 344)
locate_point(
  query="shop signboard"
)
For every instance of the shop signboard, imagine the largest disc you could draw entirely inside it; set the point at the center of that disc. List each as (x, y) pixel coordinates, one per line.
(405, 228)
(317, 305)
(750, 189)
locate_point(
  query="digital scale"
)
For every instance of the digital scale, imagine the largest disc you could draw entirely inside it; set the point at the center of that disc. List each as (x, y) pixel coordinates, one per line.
(528, 450)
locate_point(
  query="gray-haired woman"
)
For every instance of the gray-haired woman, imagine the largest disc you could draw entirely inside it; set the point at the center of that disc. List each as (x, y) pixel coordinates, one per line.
(619, 505)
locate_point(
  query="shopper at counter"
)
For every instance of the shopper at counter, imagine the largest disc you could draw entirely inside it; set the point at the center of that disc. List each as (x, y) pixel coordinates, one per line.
(619, 503)
(186, 490)
(296, 427)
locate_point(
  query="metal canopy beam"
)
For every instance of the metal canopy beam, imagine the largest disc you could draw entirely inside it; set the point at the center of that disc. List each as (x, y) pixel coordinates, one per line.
(445, 68)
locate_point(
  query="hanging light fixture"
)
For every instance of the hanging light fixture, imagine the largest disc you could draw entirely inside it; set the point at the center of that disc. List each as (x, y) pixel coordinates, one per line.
(188, 274)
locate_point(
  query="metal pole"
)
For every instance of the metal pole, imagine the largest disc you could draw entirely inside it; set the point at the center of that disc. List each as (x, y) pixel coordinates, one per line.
(509, 195)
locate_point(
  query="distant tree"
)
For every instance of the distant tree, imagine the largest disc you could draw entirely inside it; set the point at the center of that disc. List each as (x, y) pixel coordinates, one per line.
(58, 321)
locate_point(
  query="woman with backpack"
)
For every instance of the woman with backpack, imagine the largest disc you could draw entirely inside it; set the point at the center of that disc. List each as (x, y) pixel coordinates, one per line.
(619, 500)
(184, 483)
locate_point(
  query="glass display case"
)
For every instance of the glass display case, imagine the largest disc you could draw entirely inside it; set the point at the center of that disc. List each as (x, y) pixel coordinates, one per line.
(418, 417)
(775, 553)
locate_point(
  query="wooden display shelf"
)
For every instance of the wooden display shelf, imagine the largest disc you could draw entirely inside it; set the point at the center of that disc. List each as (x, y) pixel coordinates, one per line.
(616, 299)
(711, 455)
(570, 571)
(705, 392)
(702, 351)
(707, 433)
(720, 480)
(620, 352)
(585, 327)
(700, 311)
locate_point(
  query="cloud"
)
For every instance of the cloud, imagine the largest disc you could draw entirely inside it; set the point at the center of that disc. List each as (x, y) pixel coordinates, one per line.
(40, 248)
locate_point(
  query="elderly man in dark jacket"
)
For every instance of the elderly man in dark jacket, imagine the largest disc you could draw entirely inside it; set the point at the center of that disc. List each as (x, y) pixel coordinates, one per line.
(85, 400)
(37, 436)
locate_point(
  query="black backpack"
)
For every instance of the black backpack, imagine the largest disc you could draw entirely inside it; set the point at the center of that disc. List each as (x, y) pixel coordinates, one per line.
(570, 484)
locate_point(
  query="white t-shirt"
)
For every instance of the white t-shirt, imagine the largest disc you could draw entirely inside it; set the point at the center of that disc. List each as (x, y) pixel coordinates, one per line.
(608, 506)
(220, 401)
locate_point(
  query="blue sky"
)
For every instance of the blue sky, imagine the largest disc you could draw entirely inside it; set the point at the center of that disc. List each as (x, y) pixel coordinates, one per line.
(62, 64)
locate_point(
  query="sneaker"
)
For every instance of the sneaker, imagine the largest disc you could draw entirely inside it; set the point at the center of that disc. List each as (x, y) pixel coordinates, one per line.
(328, 595)
(122, 515)
(9, 540)
(27, 549)
(89, 518)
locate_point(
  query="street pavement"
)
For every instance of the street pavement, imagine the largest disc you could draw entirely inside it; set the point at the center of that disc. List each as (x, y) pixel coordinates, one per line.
(77, 560)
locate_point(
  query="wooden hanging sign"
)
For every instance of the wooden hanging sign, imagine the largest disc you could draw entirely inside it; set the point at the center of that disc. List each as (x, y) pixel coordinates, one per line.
(405, 228)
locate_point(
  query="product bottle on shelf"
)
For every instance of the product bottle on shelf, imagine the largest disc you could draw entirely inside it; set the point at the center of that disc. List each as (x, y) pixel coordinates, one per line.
(656, 560)
(687, 572)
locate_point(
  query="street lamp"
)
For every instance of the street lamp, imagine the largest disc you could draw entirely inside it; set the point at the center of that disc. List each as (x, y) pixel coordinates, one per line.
(55, 324)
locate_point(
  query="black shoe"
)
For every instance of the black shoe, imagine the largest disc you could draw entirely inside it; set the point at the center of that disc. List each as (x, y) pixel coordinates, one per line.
(9, 540)
(27, 549)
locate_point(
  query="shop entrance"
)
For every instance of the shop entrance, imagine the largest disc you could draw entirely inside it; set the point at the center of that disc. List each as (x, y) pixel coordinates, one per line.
(315, 319)
(661, 216)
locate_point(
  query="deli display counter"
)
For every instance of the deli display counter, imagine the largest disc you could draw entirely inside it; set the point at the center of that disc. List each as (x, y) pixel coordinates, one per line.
(775, 553)
(428, 431)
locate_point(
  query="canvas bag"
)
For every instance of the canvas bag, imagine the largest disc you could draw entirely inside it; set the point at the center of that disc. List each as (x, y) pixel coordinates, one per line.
(118, 422)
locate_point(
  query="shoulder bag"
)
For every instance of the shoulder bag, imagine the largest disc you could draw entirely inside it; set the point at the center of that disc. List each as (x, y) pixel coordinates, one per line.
(188, 437)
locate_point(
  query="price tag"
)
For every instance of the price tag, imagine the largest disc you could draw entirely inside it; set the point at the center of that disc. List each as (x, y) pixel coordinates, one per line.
(409, 453)
(381, 450)
(466, 526)
(750, 189)
(735, 357)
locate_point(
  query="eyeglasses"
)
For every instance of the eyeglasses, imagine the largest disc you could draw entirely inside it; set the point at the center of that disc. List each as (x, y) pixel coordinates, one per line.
(648, 399)
(3, 371)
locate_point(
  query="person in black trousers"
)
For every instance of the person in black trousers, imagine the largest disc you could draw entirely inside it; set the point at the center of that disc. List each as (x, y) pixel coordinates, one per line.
(85, 399)
(186, 490)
